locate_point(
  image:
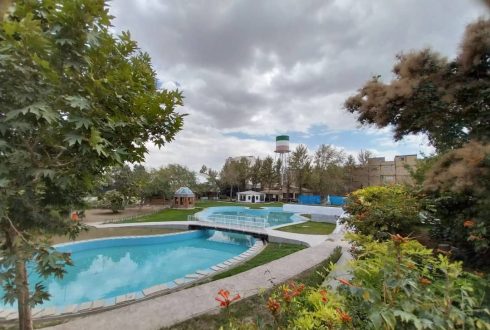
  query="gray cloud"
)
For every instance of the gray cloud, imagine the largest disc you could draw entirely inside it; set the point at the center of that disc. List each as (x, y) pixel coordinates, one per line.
(263, 67)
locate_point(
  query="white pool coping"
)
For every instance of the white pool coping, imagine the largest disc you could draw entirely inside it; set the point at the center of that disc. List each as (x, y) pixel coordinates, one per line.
(48, 313)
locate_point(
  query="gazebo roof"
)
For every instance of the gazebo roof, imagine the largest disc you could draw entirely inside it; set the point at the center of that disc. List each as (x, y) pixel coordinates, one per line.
(184, 192)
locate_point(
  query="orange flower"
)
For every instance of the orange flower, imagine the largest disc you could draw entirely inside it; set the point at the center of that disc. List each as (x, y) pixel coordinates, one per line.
(324, 295)
(425, 281)
(74, 216)
(291, 290)
(224, 299)
(469, 223)
(398, 239)
(273, 305)
(344, 317)
(344, 281)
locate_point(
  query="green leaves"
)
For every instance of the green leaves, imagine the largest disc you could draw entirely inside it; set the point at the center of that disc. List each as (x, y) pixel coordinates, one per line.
(73, 139)
(78, 102)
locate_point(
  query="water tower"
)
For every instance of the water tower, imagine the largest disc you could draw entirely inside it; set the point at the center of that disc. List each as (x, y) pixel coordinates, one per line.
(282, 150)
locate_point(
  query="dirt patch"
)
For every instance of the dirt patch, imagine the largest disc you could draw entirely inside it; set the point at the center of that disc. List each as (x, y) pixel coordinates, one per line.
(112, 232)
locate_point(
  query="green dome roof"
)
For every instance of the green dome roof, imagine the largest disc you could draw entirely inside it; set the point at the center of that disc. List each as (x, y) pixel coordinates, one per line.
(184, 192)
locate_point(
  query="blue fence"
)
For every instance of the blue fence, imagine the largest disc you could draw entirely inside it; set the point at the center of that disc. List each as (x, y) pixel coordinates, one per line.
(317, 200)
(336, 200)
(309, 199)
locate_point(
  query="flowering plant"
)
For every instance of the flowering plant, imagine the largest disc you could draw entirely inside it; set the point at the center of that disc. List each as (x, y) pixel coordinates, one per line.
(224, 298)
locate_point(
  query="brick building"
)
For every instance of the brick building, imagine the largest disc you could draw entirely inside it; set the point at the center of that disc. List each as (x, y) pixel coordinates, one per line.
(379, 171)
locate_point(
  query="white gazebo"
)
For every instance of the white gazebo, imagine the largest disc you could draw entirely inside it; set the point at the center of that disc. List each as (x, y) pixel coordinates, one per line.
(251, 197)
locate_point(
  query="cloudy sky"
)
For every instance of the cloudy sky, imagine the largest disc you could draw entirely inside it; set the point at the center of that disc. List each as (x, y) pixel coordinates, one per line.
(253, 69)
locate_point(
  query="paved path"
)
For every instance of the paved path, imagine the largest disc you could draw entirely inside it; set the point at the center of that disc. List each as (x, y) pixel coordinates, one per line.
(179, 306)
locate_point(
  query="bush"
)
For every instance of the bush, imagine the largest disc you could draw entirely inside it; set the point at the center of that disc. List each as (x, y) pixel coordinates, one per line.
(399, 284)
(380, 211)
(114, 200)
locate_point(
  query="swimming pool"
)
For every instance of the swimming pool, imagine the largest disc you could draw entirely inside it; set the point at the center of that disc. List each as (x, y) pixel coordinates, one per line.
(107, 268)
(263, 217)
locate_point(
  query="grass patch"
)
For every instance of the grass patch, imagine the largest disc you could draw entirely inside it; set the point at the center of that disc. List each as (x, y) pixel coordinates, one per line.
(271, 252)
(253, 309)
(310, 228)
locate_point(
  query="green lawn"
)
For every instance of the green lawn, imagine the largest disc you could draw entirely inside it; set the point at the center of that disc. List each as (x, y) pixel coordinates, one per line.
(310, 228)
(181, 215)
(271, 252)
(254, 308)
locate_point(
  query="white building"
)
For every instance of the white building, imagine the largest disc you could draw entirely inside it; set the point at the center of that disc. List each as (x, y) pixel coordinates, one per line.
(251, 197)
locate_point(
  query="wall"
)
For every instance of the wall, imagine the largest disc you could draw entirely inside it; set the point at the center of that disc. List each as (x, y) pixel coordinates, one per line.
(379, 171)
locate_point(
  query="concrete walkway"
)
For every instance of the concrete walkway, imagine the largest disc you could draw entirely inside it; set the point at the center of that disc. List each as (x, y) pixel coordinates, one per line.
(179, 306)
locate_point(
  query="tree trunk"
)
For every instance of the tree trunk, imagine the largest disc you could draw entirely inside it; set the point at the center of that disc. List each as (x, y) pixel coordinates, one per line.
(21, 280)
(25, 315)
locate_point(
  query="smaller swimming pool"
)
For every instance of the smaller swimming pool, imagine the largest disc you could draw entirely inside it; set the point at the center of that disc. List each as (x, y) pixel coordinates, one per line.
(263, 217)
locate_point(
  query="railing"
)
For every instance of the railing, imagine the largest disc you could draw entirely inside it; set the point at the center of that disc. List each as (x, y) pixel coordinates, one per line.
(233, 220)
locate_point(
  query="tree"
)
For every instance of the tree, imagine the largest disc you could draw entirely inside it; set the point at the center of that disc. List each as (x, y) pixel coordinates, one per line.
(255, 173)
(212, 183)
(328, 174)
(242, 168)
(363, 157)
(140, 180)
(229, 175)
(75, 100)
(448, 101)
(267, 172)
(300, 166)
(178, 176)
(349, 168)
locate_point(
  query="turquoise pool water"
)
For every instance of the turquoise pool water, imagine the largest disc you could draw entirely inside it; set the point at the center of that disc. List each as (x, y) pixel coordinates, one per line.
(107, 268)
(273, 216)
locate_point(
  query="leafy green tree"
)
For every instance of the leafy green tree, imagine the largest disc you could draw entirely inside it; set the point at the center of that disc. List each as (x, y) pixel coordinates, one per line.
(300, 166)
(328, 173)
(255, 172)
(140, 180)
(229, 175)
(212, 183)
(242, 168)
(349, 168)
(267, 173)
(178, 176)
(448, 101)
(75, 100)
(158, 186)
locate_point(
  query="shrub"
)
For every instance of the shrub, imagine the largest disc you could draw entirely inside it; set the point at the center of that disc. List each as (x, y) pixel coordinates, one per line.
(114, 200)
(399, 284)
(380, 211)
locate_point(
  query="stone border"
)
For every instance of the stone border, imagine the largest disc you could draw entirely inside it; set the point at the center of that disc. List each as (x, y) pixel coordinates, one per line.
(75, 310)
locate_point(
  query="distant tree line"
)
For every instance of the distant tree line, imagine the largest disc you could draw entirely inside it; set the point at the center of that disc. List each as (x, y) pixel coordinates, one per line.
(327, 170)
